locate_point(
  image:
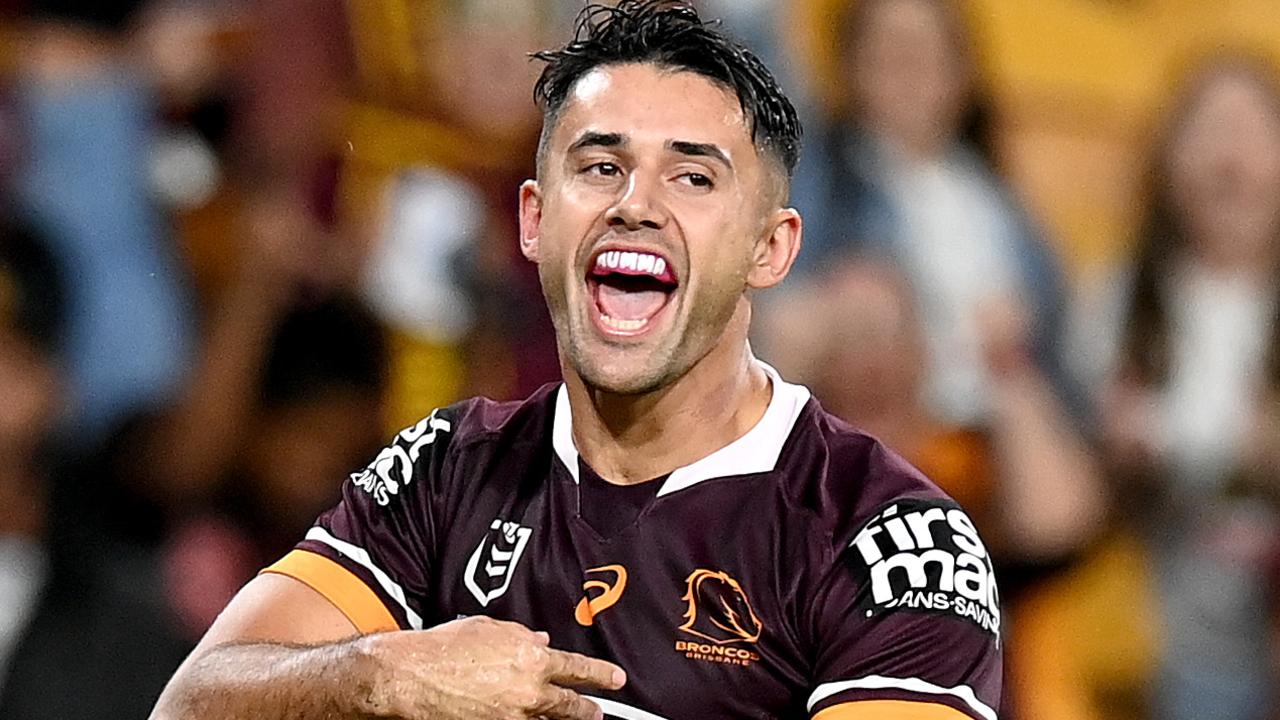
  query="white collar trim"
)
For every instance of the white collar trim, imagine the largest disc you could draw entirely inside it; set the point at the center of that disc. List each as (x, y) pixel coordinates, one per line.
(755, 452)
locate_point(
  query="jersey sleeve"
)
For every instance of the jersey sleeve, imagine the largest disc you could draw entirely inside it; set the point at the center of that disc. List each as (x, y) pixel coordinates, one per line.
(371, 555)
(907, 619)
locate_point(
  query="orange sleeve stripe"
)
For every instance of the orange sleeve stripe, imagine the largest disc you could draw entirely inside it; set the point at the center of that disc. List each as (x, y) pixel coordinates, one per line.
(890, 710)
(339, 586)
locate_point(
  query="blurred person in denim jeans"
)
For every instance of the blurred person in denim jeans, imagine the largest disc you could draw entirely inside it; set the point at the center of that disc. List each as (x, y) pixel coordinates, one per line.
(86, 109)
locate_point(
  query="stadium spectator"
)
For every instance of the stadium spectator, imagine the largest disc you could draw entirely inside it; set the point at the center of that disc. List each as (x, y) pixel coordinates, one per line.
(289, 367)
(854, 336)
(75, 641)
(907, 170)
(1191, 420)
(1033, 485)
(86, 113)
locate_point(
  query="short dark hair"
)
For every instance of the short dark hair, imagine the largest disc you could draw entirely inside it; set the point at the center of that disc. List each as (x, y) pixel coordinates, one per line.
(670, 35)
(334, 345)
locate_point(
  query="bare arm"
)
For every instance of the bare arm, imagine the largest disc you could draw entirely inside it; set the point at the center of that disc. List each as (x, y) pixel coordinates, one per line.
(281, 650)
(1052, 499)
(1051, 491)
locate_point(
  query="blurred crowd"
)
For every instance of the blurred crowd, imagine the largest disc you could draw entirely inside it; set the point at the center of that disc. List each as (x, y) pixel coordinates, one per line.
(242, 241)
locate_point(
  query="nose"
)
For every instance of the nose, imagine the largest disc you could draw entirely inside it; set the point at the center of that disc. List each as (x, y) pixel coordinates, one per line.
(639, 206)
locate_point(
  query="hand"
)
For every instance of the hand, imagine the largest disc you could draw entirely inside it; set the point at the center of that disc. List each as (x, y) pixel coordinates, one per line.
(479, 667)
(1132, 431)
(1004, 326)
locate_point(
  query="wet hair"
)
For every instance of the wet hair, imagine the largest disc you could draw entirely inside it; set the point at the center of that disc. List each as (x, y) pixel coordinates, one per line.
(1162, 240)
(670, 35)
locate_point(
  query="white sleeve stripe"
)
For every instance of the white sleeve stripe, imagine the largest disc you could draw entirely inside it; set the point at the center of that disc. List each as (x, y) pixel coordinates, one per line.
(361, 557)
(877, 682)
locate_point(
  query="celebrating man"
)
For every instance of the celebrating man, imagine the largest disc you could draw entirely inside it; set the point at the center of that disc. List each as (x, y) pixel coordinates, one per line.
(674, 531)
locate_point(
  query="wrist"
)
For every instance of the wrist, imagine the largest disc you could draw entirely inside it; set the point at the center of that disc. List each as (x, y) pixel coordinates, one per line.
(360, 664)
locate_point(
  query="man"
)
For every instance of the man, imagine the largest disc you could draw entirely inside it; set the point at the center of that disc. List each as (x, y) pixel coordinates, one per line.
(674, 532)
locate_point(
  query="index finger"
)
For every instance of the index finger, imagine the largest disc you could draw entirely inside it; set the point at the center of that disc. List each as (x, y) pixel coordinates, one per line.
(572, 669)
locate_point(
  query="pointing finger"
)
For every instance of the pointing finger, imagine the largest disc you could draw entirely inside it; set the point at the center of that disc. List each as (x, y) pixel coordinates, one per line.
(572, 669)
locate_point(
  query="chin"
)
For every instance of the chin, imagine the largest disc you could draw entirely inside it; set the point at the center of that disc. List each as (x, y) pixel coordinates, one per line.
(622, 375)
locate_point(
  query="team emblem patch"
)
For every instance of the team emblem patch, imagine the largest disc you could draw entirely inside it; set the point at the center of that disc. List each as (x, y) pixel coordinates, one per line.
(925, 556)
(489, 571)
(718, 613)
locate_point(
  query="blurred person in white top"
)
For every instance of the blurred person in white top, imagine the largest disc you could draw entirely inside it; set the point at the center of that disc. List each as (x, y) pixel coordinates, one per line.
(1190, 414)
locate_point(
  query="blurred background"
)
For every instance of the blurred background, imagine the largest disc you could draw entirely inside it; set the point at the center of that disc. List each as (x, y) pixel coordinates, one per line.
(242, 242)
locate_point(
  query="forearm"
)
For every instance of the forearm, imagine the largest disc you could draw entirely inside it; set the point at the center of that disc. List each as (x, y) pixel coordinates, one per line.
(270, 682)
(195, 440)
(1050, 486)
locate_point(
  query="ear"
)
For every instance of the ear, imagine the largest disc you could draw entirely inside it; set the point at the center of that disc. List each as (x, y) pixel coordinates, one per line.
(530, 219)
(776, 252)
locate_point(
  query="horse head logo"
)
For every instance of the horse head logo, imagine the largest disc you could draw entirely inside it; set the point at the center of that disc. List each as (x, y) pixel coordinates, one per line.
(718, 610)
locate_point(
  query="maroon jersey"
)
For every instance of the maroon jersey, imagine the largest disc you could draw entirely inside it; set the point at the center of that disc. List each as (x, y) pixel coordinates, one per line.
(802, 567)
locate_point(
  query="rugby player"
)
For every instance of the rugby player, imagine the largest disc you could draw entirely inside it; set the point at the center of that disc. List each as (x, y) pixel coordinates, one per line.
(672, 532)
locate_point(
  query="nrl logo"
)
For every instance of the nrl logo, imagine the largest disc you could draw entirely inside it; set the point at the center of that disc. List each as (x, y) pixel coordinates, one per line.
(491, 566)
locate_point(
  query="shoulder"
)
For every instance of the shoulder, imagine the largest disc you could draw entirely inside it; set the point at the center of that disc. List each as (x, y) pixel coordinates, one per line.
(846, 477)
(428, 448)
(482, 420)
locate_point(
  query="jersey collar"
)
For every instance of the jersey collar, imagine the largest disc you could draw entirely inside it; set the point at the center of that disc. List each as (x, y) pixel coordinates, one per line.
(755, 452)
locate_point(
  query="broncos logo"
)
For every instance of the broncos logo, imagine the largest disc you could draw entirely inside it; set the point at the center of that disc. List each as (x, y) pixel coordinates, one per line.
(718, 609)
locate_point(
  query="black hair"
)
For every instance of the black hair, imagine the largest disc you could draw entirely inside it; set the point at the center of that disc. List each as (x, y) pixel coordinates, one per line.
(670, 35)
(32, 298)
(334, 345)
(110, 16)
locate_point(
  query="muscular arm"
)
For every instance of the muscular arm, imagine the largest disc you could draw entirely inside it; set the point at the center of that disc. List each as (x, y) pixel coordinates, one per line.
(282, 650)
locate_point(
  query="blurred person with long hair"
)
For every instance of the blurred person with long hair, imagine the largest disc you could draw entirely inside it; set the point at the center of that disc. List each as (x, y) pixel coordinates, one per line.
(909, 172)
(1190, 417)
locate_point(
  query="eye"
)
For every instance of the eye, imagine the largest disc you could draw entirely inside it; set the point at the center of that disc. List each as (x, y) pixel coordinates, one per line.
(603, 169)
(697, 180)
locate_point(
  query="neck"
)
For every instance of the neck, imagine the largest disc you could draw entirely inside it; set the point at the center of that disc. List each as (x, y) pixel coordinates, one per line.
(629, 439)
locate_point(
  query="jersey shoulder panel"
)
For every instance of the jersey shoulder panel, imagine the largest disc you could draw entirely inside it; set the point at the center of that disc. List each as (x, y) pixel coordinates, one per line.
(844, 476)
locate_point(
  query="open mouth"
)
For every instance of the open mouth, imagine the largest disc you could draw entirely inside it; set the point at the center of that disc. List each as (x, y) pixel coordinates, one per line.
(630, 289)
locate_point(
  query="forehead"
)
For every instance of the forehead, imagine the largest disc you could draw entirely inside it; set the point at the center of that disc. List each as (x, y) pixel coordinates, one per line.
(646, 103)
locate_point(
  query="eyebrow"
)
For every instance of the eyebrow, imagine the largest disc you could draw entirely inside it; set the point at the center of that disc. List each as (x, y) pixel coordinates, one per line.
(697, 149)
(597, 139)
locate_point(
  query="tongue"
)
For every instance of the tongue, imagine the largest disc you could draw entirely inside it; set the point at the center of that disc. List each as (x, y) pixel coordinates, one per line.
(622, 304)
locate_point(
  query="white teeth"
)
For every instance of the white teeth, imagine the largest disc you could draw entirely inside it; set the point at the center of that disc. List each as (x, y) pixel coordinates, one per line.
(642, 262)
(623, 325)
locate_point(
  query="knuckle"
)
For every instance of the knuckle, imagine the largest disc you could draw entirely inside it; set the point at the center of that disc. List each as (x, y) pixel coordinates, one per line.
(525, 698)
(532, 658)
